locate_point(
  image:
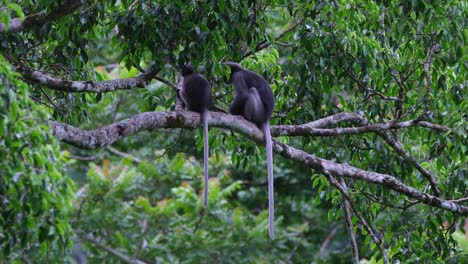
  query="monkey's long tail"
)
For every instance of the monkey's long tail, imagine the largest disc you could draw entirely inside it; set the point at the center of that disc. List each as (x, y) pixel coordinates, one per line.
(271, 193)
(204, 117)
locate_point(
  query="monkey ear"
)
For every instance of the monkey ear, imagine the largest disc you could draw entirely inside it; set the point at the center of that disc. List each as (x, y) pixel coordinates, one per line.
(187, 69)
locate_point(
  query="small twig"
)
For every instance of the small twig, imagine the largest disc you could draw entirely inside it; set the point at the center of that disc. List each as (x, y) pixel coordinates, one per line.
(265, 44)
(296, 246)
(48, 97)
(328, 240)
(349, 224)
(165, 81)
(80, 209)
(459, 200)
(48, 105)
(382, 23)
(123, 154)
(89, 158)
(116, 108)
(283, 44)
(401, 207)
(427, 73)
(112, 251)
(133, 5)
(433, 126)
(144, 231)
(370, 230)
(396, 145)
(312, 128)
(368, 89)
(200, 220)
(401, 97)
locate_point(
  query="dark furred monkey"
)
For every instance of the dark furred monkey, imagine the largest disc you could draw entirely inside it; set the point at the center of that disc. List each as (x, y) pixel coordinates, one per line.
(196, 96)
(254, 100)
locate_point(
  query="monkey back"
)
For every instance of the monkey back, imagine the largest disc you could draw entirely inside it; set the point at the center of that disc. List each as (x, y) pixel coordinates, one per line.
(244, 80)
(197, 92)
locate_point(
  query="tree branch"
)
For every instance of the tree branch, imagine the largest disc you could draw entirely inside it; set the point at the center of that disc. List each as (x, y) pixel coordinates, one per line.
(370, 230)
(38, 77)
(406, 156)
(349, 224)
(184, 119)
(314, 128)
(327, 241)
(16, 25)
(310, 129)
(88, 158)
(427, 73)
(265, 44)
(123, 154)
(167, 82)
(114, 252)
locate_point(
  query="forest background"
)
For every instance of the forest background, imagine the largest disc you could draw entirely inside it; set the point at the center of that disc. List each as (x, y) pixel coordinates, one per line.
(369, 129)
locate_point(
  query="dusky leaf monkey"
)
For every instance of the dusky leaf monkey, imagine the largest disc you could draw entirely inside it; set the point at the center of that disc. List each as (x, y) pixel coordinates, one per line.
(196, 96)
(254, 101)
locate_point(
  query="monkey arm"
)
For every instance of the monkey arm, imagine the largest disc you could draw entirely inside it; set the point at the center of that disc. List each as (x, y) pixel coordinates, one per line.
(237, 107)
(254, 109)
(180, 95)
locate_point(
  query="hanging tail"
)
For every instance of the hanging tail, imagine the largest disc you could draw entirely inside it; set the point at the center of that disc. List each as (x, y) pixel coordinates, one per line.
(204, 117)
(271, 193)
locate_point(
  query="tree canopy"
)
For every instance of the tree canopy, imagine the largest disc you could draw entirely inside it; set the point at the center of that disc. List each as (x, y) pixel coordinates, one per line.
(369, 130)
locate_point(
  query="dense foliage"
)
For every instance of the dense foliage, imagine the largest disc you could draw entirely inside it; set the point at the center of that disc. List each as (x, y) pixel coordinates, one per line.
(34, 194)
(402, 66)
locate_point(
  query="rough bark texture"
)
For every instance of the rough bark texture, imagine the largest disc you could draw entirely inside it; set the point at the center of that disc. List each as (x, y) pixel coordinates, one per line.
(16, 25)
(183, 119)
(38, 77)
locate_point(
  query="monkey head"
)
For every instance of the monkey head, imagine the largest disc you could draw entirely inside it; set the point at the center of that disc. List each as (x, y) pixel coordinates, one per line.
(235, 67)
(187, 69)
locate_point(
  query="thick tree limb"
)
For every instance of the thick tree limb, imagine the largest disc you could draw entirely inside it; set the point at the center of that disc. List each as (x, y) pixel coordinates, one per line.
(41, 78)
(38, 77)
(183, 119)
(155, 120)
(118, 131)
(16, 25)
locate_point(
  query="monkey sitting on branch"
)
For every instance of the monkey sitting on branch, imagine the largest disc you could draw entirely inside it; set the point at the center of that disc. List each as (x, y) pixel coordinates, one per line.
(196, 96)
(254, 101)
